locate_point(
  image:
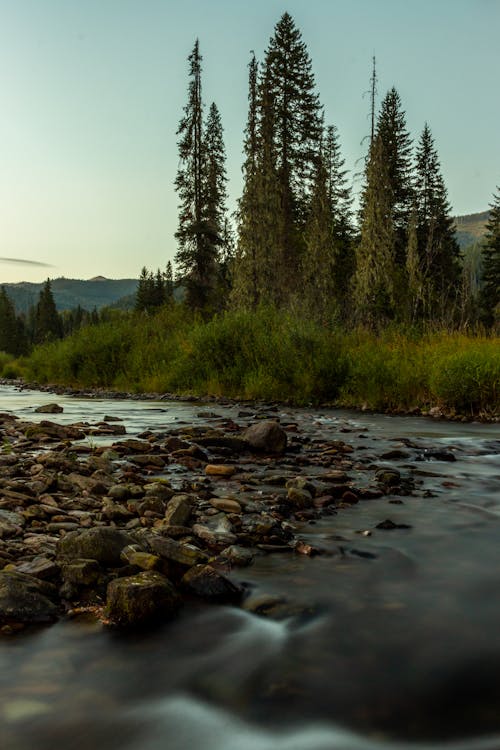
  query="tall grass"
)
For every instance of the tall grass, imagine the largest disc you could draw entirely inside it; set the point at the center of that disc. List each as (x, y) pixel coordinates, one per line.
(278, 356)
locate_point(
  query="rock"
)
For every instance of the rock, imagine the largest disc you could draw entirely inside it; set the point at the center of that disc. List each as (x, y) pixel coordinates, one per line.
(237, 555)
(389, 525)
(178, 552)
(102, 544)
(300, 498)
(266, 436)
(26, 599)
(49, 409)
(301, 483)
(81, 572)
(178, 510)
(335, 476)
(206, 582)
(226, 504)
(220, 470)
(147, 460)
(388, 477)
(40, 567)
(141, 599)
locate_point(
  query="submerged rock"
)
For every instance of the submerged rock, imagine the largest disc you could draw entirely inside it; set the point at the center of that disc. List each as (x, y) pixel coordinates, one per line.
(49, 409)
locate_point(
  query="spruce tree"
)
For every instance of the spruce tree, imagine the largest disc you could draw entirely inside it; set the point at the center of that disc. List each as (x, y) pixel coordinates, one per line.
(396, 148)
(438, 247)
(318, 271)
(169, 283)
(490, 293)
(340, 205)
(287, 92)
(12, 331)
(247, 266)
(194, 256)
(48, 325)
(374, 281)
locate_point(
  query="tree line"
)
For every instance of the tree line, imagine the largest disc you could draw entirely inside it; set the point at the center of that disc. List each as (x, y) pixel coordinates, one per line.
(298, 241)
(42, 323)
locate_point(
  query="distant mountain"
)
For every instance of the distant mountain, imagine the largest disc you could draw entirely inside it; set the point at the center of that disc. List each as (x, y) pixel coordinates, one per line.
(97, 292)
(471, 228)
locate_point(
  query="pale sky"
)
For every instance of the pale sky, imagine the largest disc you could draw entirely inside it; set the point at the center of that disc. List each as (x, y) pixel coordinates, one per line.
(91, 93)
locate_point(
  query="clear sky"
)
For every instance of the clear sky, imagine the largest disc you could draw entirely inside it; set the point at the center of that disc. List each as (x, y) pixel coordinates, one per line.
(91, 92)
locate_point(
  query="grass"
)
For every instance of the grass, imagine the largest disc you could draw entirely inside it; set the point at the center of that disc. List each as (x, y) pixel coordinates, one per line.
(273, 355)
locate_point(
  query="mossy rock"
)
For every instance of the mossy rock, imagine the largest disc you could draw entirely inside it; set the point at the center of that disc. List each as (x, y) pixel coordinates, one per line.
(141, 599)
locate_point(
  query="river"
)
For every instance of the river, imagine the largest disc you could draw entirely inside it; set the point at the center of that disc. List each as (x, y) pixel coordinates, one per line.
(395, 642)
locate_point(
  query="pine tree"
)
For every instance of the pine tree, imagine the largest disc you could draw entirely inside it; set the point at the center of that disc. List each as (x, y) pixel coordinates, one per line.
(169, 283)
(48, 324)
(318, 271)
(145, 291)
(438, 248)
(490, 293)
(375, 277)
(397, 154)
(259, 267)
(340, 205)
(12, 331)
(197, 256)
(287, 92)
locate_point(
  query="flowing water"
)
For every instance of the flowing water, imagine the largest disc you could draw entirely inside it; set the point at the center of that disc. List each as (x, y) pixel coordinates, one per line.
(395, 642)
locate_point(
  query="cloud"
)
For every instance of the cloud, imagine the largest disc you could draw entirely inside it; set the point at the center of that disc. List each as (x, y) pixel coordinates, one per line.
(25, 262)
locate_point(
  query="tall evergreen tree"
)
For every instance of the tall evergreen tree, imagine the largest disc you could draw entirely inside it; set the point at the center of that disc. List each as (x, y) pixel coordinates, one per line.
(200, 184)
(438, 247)
(490, 294)
(194, 257)
(340, 204)
(396, 148)
(374, 281)
(48, 324)
(259, 267)
(318, 271)
(12, 331)
(288, 98)
(169, 283)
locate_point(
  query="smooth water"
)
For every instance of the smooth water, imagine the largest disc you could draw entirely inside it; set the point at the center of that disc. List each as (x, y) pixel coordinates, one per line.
(395, 642)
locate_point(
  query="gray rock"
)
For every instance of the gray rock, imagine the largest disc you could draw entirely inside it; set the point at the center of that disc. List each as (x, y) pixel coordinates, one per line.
(266, 436)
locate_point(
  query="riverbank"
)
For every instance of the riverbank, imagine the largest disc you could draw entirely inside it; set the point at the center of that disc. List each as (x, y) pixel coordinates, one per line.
(434, 412)
(133, 529)
(274, 356)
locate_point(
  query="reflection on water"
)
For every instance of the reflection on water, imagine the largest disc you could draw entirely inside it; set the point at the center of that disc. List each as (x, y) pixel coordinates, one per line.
(395, 640)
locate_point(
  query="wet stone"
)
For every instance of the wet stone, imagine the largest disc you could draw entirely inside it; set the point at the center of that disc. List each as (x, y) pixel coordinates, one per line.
(26, 599)
(178, 510)
(141, 599)
(206, 582)
(102, 544)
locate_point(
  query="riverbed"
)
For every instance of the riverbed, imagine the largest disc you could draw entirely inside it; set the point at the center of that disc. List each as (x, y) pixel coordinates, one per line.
(393, 641)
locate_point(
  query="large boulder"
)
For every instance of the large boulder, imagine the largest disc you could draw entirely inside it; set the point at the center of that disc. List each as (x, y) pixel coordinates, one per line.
(140, 599)
(102, 544)
(266, 436)
(26, 599)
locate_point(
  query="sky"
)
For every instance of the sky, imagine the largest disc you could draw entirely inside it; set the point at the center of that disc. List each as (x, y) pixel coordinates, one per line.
(91, 94)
